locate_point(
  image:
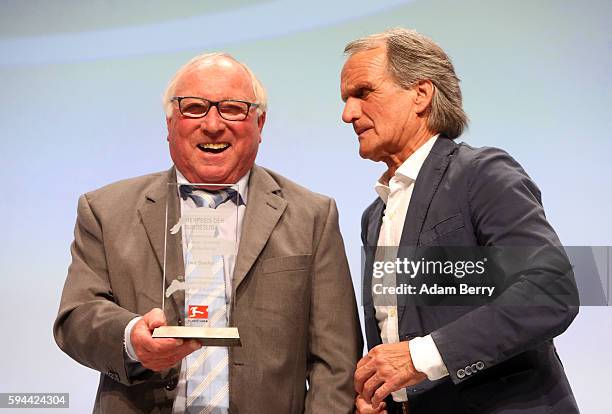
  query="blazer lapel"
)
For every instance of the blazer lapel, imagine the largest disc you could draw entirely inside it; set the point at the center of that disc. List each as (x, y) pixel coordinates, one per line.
(375, 222)
(157, 214)
(426, 185)
(264, 208)
(369, 249)
(372, 232)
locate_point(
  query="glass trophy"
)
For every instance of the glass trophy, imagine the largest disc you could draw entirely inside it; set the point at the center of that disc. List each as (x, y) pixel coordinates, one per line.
(202, 236)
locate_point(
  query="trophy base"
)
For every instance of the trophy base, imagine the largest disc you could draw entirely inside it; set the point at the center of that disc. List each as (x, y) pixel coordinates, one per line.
(207, 336)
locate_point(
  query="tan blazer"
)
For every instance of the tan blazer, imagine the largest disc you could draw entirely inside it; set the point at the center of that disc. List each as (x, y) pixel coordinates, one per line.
(293, 300)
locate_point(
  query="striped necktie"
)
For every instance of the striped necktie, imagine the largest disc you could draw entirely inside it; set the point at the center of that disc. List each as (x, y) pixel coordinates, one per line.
(207, 371)
(210, 199)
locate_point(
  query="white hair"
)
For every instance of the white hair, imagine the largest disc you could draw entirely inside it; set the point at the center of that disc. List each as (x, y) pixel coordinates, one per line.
(258, 89)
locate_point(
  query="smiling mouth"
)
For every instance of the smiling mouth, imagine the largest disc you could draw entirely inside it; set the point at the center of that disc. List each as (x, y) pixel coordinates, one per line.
(214, 148)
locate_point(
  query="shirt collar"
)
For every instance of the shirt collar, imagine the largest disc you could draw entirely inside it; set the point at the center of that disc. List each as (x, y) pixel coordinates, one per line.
(243, 183)
(408, 172)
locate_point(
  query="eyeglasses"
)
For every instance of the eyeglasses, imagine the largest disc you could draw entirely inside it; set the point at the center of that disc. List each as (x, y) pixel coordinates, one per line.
(229, 109)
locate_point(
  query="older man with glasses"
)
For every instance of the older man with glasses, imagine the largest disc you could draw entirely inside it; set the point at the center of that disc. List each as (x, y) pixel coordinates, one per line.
(288, 289)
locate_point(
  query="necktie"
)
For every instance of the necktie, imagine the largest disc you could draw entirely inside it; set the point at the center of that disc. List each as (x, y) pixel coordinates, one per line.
(207, 375)
(210, 199)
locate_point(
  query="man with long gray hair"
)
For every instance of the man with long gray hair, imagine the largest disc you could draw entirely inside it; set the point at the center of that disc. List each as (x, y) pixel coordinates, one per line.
(403, 99)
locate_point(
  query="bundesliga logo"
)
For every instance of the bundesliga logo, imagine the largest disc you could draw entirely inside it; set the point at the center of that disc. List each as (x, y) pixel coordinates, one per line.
(198, 312)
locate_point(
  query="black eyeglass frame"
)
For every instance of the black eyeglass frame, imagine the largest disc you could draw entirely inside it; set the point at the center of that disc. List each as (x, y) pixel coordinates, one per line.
(178, 99)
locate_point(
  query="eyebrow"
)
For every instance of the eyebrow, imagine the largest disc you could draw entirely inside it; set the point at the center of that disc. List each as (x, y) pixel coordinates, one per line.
(353, 89)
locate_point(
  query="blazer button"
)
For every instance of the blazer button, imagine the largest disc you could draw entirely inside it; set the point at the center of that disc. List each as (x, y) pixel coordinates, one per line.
(113, 375)
(460, 374)
(468, 370)
(474, 368)
(171, 384)
(480, 365)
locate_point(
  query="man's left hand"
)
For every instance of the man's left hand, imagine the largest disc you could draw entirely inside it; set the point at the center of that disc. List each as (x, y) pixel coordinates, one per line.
(386, 368)
(363, 407)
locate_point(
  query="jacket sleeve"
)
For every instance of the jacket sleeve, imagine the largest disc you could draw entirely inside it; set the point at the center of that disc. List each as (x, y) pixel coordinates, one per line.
(540, 299)
(335, 343)
(90, 325)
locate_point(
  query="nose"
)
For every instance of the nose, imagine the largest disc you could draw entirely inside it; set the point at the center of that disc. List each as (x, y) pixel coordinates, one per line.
(352, 110)
(212, 123)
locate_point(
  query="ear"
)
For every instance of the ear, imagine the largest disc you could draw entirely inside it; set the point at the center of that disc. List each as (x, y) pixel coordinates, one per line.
(424, 94)
(261, 120)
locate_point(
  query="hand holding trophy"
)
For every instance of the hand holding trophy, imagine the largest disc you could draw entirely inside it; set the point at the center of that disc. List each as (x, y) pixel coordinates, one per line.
(203, 292)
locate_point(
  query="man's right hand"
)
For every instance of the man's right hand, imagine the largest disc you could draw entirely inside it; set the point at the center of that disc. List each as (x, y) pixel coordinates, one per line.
(158, 354)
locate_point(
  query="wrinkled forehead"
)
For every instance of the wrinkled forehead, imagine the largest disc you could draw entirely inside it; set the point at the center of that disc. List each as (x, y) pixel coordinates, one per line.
(220, 78)
(363, 69)
(367, 60)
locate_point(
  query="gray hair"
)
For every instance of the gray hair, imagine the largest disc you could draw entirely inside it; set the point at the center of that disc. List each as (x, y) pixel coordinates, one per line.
(258, 89)
(413, 57)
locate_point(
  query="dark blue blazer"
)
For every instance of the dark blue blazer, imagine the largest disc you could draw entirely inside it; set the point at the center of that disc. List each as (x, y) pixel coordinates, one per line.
(500, 356)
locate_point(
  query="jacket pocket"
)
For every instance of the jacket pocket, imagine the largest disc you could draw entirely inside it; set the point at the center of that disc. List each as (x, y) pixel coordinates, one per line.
(442, 228)
(286, 263)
